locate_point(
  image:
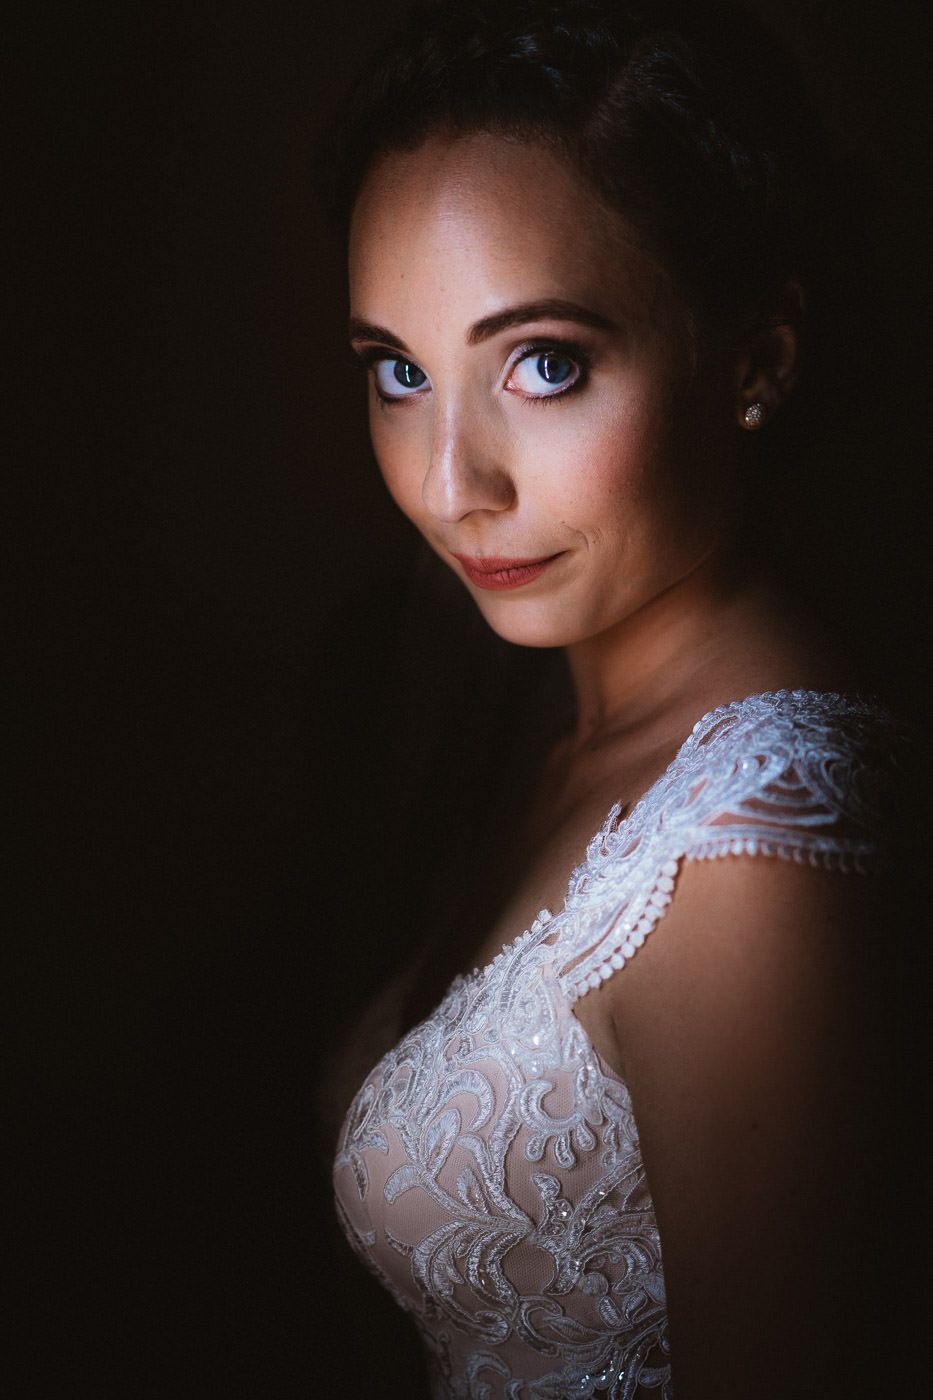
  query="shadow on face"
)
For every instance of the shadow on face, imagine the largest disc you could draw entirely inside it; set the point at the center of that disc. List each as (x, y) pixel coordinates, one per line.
(532, 395)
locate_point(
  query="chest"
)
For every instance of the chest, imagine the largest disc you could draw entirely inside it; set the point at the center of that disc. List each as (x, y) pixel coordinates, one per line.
(540, 860)
(569, 805)
(558, 838)
(490, 1172)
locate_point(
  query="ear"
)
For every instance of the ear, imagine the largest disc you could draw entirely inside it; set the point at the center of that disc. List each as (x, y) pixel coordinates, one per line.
(768, 365)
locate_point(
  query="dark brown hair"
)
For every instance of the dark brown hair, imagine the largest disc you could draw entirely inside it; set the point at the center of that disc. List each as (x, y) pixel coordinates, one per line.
(691, 120)
(688, 118)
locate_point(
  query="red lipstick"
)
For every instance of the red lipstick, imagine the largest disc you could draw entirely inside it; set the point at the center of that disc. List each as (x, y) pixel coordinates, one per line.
(497, 573)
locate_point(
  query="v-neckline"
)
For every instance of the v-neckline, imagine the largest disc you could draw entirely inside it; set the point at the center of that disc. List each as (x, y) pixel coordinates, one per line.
(546, 918)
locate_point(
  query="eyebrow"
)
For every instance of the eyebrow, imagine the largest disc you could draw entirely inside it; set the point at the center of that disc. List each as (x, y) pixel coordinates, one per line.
(549, 309)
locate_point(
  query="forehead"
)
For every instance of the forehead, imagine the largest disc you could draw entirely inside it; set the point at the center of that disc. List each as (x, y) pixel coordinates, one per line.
(470, 223)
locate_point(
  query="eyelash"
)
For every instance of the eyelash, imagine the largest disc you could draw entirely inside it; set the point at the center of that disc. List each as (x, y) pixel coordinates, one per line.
(568, 348)
(369, 355)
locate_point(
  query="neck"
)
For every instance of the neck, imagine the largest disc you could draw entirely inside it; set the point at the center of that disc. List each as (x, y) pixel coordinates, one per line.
(719, 626)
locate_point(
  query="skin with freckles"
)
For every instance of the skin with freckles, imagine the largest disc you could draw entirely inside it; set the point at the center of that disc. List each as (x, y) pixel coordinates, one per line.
(485, 453)
(533, 396)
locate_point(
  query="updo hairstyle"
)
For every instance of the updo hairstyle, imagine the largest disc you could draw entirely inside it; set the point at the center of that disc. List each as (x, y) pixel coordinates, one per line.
(687, 118)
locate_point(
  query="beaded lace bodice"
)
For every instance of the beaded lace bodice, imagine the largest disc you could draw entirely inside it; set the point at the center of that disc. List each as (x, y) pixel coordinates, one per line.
(489, 1169)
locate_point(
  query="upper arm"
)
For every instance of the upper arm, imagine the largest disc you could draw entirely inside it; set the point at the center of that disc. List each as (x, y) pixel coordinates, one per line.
(746, 1027)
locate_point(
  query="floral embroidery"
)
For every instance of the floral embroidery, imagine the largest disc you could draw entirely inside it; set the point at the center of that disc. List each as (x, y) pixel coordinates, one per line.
(489, 1170)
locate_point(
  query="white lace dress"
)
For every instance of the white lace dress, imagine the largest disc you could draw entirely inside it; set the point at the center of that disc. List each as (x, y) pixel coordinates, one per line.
(489, 1169)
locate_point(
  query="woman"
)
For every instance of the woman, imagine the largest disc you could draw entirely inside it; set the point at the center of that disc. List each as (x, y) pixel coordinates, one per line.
(634, 1145)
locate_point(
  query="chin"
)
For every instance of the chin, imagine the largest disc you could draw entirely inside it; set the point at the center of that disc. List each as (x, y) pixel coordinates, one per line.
(532, 625)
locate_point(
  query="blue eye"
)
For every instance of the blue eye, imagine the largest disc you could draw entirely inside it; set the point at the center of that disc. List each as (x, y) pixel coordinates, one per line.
(397, 379)
(554, 369)
(539, 371)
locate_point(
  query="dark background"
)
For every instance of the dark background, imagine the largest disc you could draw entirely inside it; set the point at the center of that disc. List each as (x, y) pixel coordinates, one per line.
(225, 674)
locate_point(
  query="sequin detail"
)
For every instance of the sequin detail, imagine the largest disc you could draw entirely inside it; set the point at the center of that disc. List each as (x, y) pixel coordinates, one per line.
(489, 1169)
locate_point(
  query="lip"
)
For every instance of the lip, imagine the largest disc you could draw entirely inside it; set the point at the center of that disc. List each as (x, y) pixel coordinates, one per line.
(499, 573)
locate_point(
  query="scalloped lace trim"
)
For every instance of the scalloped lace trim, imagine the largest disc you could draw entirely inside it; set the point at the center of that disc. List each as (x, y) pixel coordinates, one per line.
(632, 931)
(489, 1170)
(784, 768)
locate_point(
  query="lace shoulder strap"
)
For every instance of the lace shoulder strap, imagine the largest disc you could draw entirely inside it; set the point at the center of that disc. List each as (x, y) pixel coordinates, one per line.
(803, 775)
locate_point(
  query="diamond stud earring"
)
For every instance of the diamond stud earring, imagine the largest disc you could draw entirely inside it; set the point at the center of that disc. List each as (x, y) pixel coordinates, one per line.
(754, 415)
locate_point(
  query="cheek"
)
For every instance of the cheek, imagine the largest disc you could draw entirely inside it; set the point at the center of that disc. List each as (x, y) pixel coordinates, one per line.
(601, 467)
(397, 454)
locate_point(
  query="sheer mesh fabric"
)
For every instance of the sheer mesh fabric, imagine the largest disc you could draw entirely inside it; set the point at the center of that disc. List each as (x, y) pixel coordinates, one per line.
(489, 1169)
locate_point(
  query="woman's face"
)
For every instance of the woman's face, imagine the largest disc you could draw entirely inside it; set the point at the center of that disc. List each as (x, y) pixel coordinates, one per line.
(530, 392)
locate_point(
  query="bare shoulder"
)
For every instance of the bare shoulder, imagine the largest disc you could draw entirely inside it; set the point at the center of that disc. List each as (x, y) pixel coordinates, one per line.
(752, 1028)
(755, 931)
(763, 984)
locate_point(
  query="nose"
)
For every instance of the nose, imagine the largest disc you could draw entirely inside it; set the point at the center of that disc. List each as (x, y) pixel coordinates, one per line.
(467, 469)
